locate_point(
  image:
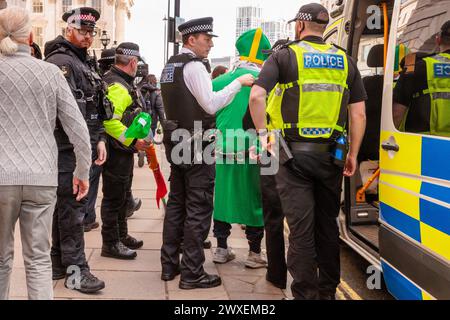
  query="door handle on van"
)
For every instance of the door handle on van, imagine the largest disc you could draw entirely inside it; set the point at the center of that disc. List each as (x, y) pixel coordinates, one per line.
(390, 147)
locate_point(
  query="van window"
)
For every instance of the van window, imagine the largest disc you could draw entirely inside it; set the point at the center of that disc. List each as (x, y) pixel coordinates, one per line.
(422, 91)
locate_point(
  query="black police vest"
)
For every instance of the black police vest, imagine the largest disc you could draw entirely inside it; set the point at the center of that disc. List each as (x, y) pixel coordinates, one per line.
(86, 86)
(179, 103)
(138, 106)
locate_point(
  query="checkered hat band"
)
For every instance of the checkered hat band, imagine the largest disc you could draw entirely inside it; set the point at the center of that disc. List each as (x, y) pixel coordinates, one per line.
(198, 29)
(304, 16)
(81, 17)
(128, 52)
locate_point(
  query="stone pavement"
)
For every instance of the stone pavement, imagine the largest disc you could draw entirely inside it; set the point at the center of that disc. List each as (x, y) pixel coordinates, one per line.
(140, 279)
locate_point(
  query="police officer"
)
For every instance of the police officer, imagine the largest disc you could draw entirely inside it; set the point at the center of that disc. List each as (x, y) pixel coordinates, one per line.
(188, 97)
(70, 55)
(421, 95)
(118, 169)
(134, 204)
(317, 83)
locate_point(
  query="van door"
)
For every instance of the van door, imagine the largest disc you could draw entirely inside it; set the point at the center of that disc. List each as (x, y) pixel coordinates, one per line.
(414, 185)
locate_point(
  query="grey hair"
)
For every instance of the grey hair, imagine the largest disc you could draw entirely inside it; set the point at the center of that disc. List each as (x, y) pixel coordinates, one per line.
(15, 28)
(123, 60)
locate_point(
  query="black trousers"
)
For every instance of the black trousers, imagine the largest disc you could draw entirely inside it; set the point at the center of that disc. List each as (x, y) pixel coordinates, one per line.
(274, 227)
(188, 213)
(310, 191)
(68, 228)
(94, 181)
(117, 181)
(222, 230)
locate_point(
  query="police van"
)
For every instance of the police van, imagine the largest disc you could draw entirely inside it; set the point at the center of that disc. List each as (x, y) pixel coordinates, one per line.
(396, 210)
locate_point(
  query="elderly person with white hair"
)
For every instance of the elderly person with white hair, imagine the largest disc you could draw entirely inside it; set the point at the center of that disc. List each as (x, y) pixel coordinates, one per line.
(33, 94)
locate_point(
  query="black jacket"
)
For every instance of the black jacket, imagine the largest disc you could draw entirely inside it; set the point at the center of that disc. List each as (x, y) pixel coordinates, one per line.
(86, 85)
(154, 103)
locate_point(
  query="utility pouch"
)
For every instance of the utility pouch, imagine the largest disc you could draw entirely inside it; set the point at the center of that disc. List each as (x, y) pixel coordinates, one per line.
(340, 151)
(285, 152)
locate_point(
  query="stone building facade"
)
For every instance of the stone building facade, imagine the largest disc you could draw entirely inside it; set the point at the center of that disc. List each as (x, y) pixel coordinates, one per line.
(47, 20)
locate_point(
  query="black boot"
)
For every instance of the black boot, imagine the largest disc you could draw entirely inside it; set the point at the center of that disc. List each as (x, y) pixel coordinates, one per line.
(88, 283)
(204, 282)
(134, 204)
(118, 251)
(132, 243)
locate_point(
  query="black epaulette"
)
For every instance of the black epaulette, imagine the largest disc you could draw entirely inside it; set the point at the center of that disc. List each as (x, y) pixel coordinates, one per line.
(339, 47)
(62, 50)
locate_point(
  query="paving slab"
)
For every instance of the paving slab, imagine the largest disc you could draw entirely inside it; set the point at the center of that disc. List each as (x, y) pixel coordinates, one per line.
(145, 286)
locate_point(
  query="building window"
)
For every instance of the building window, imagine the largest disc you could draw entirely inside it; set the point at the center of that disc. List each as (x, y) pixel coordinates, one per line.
(38, 6)
(66, 5)
(38, 36)
(97, 5)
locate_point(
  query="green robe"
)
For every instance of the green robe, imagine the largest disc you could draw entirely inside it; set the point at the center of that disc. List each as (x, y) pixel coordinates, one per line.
(237, 196)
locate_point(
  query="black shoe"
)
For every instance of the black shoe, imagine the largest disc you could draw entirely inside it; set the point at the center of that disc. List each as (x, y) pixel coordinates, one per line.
(141, 159)
(132, 243)
(169, 276)
(88, 283)
(118, 251)
(133, 206)
(91, 226)
(204, 282)
(207, 244)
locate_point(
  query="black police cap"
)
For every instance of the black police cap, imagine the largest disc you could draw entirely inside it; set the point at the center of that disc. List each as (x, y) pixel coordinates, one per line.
(201, 25)
(445, 29)
(84, 16)
(129, 49)
(314, 12)
(108, 55)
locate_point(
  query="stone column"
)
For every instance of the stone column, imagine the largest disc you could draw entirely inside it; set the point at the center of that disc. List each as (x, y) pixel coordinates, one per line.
(120, 20)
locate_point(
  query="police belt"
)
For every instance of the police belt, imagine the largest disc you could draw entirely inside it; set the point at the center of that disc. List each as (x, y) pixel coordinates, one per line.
(310, 147)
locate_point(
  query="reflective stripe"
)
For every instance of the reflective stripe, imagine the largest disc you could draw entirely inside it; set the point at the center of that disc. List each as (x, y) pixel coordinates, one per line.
(309, 48)
(122, 138)
(441, 95)
(322, 87)
(117, 117)
(441, 58)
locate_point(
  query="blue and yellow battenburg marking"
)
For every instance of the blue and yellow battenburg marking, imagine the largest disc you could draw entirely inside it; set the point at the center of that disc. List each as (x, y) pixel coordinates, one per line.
(323, 61)
(416, 208)
(400, 286)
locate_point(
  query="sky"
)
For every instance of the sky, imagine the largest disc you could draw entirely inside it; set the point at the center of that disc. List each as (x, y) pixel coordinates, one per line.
(146, 26)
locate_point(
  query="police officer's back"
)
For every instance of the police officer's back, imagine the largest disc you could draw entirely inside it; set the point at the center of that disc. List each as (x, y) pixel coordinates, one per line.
(316, 83)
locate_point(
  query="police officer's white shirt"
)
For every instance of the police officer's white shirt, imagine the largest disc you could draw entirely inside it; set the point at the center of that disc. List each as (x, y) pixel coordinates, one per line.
(199, 84)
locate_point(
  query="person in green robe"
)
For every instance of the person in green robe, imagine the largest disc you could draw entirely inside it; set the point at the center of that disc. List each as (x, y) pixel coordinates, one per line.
(237, 196)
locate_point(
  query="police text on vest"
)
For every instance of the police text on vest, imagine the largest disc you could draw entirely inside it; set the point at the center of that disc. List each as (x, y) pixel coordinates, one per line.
(323, 61)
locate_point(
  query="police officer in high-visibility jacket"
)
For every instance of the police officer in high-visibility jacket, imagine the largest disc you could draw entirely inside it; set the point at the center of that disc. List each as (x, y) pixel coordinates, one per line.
(422, 93)
(318, 87)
